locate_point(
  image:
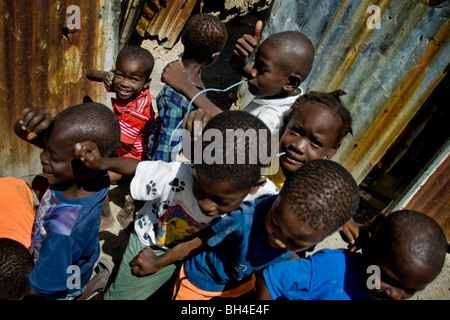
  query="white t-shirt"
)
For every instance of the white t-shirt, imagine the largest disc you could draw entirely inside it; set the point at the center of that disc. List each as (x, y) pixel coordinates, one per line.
(271, 111)
(171, 211)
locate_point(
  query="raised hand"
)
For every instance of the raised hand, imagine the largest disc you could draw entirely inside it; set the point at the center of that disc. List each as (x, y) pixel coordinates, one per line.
(243, 48)
(33, 120)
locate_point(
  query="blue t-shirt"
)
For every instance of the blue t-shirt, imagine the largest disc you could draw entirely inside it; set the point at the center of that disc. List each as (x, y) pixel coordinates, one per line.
(326, 275)
(65, 243)
(239, 248)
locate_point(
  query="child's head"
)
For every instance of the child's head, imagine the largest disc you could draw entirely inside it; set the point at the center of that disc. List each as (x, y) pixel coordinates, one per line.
(134, 66)
(314, 128)
(409, 248)
(282, 62)
(87, 121)
(16, 264)
(204, 37)
(315, 201)
(228, 172)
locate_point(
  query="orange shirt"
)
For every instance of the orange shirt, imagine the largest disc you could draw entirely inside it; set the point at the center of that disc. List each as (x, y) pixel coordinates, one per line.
(16, 210)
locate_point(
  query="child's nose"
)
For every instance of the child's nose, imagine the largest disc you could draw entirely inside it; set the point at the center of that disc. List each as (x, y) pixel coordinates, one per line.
(394, 293)
(300, 144)
(206, 205)
(253, 73)
(44, 157)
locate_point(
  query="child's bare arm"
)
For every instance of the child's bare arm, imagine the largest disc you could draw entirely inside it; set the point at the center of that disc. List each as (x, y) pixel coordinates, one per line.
(98, 75)
(32, 122)
(175, 76)
(244, 47)
(147, 262)
(261, 290)
(89, 154)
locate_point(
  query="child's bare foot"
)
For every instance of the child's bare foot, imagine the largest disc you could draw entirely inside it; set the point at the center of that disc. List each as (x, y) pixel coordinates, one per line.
(126, 215)
(107, 220)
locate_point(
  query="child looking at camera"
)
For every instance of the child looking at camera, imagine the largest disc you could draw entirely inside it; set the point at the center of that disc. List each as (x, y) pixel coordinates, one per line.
(130, 80)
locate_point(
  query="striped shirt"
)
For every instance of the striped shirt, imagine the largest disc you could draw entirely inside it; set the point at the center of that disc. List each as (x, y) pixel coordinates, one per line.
(137, 121)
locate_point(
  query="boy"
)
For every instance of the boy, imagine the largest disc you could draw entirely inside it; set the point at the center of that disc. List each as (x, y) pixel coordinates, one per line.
(407, 247)
(204, 37)
(130, 80)
(282, 63)
(65, 230)
(314, 202)
(16, 221)
(181, 199)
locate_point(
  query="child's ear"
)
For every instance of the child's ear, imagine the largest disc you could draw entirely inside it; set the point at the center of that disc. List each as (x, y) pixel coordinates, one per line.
(147, 83)
(293, 82)
(330, 154)
(257, 185)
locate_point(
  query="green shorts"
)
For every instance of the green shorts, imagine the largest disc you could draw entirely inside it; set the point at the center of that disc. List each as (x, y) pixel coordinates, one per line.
(127, 286)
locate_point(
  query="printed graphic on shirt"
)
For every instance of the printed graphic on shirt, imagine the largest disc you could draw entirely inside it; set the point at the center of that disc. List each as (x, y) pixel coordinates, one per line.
(176, 225)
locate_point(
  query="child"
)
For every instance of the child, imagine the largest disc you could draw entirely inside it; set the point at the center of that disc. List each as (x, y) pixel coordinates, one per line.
(407, 247)
(204, 37)
(130, 80)
(181, 199)
(16, 221)
(65, 230)
(282, 63)
(314, 128)
(314, 202)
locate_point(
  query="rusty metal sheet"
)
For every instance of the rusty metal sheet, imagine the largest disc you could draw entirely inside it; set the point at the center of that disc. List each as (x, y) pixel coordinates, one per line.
(168, 21)
(43, 62)
(430, 192)
(387, 73)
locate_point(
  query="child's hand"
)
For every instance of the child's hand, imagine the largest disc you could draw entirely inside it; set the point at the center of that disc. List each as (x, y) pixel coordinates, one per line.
(350, 233)
(244, 47)
(145, 263)
(108, 78)
(34, 120)
(175, 76)
(195, 121)
(88, 153)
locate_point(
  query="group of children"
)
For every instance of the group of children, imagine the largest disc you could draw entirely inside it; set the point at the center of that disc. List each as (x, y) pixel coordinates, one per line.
(221, 229)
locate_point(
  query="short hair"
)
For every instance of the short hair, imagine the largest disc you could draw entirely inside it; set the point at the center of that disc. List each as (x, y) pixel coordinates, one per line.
(332, 102)
(323, 194)
(203, 35)
(410, 233)
(92, 121)
(296, 52)
(137, 53)
(16, 264)
(244, 173)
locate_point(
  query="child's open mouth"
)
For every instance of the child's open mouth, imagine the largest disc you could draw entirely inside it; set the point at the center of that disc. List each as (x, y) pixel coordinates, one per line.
(47, 172)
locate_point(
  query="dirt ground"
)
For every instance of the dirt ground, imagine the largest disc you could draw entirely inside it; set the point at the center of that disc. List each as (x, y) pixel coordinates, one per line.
(113, 240)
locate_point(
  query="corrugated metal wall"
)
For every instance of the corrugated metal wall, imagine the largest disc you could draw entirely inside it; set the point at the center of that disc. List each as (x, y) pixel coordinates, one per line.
(43, 62)
(387, 72)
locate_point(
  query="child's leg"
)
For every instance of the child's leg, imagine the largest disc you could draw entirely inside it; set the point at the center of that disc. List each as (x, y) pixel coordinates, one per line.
(127, 286)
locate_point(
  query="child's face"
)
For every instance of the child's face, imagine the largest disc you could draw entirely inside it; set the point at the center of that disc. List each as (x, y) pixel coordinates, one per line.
(268, 75)
(56, 159)
(129, 78)
(287, 232)
(310, 135)
(216, 197)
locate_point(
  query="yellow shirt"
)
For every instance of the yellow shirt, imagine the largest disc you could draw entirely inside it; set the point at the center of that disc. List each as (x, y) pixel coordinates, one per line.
(275, 173)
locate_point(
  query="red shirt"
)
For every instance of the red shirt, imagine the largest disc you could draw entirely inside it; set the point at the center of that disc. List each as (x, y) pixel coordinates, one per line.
(136, 118)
